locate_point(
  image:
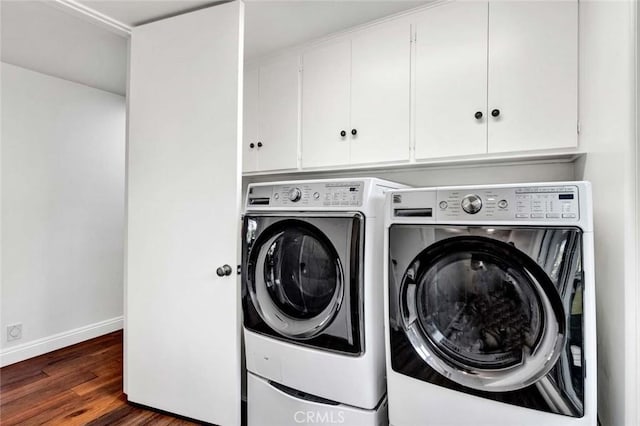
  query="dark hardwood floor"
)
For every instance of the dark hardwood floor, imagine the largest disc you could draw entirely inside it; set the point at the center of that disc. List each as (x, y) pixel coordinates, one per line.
(76, 385)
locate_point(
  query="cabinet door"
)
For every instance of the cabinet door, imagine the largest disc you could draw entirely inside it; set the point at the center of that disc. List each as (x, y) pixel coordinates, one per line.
(380, 94)
(451, 80)
(182, 331)
(325, 105)
(533, 75)
(278, 114)
(250, 120)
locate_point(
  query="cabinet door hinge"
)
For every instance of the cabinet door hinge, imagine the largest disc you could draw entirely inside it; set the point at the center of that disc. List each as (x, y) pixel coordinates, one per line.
(578, 127)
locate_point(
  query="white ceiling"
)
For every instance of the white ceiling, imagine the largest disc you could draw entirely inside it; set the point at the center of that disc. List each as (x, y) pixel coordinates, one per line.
(137, 12)
(270, 25)
(273, 25)
(46, 39)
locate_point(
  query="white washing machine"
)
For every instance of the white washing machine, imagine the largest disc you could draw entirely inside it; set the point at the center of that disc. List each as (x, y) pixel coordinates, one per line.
(312, 290)
(490, 305)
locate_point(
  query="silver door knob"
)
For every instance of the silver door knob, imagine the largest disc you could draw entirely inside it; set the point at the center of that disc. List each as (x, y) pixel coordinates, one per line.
(224, 271)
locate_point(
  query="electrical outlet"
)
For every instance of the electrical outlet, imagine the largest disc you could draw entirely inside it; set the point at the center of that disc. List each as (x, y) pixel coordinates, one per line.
(14, 332)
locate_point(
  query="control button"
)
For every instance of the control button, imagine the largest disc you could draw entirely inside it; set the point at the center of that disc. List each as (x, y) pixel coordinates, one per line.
(295, 194)
(521, 215)
(553, 215)
(471, 204)
(568, 215)
(276, 196)
(503, 204)
(316, 195)
(444, 205)
(537, 215)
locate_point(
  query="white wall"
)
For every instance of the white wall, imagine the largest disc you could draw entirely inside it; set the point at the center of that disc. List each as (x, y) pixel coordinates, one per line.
(39, 36)
(608, 119)
(443, 175)
(63, 157)
(636, 392)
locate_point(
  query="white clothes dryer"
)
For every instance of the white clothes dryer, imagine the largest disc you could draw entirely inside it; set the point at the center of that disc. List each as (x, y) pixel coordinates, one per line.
(490, 305)
(312, 291)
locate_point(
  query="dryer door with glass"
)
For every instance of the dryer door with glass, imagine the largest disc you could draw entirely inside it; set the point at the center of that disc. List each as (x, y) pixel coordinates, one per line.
(489, 311)
(302, 279)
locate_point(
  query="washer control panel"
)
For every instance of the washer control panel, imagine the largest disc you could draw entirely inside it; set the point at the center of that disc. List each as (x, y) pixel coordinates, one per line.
(524, 203)
(328, 194)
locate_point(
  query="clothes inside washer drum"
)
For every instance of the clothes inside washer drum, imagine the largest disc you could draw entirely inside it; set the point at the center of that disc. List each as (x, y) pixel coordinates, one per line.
(477, 311)
(499, 317)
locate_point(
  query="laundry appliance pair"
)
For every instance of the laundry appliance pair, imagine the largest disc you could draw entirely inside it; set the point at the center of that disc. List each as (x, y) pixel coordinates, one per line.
(488, 311)
(312, 275)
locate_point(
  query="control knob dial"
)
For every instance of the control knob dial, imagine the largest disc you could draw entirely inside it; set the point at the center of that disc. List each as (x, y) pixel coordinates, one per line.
(472, 203)
(295, 194)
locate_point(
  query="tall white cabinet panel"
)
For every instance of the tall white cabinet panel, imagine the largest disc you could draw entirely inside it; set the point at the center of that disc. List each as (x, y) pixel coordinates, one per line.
(325, 105)
(278, 114)
(451, 80)
(380, 94)
(533, 75)
(250, 119)
(182, 336)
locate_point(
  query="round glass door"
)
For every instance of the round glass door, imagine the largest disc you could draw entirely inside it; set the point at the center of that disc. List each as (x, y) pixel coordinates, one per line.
(482, 313)
(296, 282)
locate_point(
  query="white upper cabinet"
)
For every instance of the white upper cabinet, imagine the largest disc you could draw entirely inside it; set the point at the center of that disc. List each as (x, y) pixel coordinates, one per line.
(451, 80)
(250, 120)
(277, 144)
(380, 94)
(481, 77)
(325, 105)
(271, 105)
(533, 75)
(496, 77)
(356, 98)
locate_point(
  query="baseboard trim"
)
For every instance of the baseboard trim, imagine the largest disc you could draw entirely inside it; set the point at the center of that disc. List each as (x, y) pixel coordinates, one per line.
(51, 343)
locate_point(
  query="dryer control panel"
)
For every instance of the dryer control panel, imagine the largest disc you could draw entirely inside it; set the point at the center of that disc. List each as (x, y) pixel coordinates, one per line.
(526, 203)
(326, 194)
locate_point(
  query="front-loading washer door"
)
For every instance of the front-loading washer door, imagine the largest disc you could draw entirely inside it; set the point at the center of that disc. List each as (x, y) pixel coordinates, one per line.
(298, 280)
(477, 309)
(483, 314)
(302, 280)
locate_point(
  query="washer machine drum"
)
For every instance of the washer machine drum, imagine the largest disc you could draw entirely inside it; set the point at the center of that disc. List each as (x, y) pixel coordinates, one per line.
(494, 312)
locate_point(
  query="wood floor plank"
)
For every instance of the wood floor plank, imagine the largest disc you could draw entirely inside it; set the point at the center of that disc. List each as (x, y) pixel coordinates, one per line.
(76, 385)
(35, 365)
(125, 414)
(54, 412)
(24, 381)
(98, 383)
(42, 389)
(90, 406)
(86, 361)
(21, 415)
